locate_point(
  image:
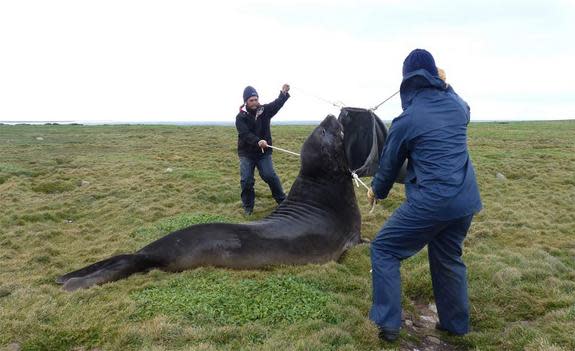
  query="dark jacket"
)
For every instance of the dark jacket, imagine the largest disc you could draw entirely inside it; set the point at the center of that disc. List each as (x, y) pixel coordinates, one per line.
(432, 134)
(254, 126)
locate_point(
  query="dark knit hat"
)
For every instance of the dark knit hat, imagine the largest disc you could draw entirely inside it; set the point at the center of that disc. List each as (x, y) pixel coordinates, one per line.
(418, 59)
(249, 91)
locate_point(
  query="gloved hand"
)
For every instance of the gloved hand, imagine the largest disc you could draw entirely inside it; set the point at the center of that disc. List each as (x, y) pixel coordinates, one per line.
(285, 88)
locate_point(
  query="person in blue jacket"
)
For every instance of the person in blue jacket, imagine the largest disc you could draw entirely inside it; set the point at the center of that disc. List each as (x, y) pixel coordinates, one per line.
(441, 198)
(254, 137)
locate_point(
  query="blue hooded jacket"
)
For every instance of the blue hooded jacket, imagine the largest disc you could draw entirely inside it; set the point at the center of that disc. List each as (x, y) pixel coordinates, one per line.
(432, 134)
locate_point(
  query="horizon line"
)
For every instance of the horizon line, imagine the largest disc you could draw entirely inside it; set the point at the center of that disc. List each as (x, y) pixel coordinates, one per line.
(230, 123)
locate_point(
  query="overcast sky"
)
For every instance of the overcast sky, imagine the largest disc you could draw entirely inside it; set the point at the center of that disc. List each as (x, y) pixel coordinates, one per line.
(190, 60)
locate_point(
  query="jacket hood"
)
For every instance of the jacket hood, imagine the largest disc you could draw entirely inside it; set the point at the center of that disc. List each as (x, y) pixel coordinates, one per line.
(414, 82)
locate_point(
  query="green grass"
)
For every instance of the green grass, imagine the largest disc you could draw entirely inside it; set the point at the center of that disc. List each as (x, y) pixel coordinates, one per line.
(520, 250)
(213, 298)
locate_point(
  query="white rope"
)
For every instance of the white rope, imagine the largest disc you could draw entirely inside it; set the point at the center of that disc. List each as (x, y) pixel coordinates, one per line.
(337, 104)
(384, 101)
(340, 104)
(356, 178)
(284, 150)
(359, 181)
(353, 174)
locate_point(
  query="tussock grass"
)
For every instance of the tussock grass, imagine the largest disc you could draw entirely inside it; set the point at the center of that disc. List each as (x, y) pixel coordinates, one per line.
(520, 250)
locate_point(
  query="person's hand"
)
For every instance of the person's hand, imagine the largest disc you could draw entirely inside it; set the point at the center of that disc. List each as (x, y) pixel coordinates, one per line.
(285, 88)
(263, 144)
(370, 196)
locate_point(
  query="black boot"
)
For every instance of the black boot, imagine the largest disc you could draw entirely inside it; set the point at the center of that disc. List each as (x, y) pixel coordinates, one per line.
(388, 335)
(439, 327)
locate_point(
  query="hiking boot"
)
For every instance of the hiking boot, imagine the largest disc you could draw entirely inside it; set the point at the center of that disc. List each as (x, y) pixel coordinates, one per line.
(388, 335)
(439, 327)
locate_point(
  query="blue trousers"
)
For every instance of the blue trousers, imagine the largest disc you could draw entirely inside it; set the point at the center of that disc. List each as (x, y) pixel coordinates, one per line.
(267, 173)
(402, 236)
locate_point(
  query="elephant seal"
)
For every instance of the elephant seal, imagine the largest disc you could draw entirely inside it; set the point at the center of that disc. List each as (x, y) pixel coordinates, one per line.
(316, 223)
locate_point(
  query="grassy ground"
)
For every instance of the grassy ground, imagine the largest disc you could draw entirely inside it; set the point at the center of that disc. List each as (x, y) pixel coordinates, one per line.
(71, 195)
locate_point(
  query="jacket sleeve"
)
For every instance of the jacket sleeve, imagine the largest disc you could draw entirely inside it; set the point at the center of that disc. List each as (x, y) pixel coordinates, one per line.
(273, 107)
(244, 133)
(392, 159)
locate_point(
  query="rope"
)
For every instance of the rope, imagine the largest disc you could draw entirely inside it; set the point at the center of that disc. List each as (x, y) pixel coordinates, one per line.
(384, 101)
(359, 181)
(337, 104)
(284, 150)
(340, 104)
(353, 174)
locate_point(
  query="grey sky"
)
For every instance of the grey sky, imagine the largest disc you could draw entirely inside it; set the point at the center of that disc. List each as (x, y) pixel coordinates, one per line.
(189, 61)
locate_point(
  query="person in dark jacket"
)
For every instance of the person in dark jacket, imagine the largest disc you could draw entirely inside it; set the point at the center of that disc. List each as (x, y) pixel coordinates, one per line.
(254, 137)
(442, 196)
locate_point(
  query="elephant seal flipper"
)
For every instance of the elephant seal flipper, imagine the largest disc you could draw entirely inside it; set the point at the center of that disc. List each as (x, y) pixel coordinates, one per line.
(110, 269)
(87, 270)
(316, 223)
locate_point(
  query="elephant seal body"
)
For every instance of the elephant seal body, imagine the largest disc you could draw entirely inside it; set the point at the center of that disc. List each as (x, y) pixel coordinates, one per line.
(316, 223)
